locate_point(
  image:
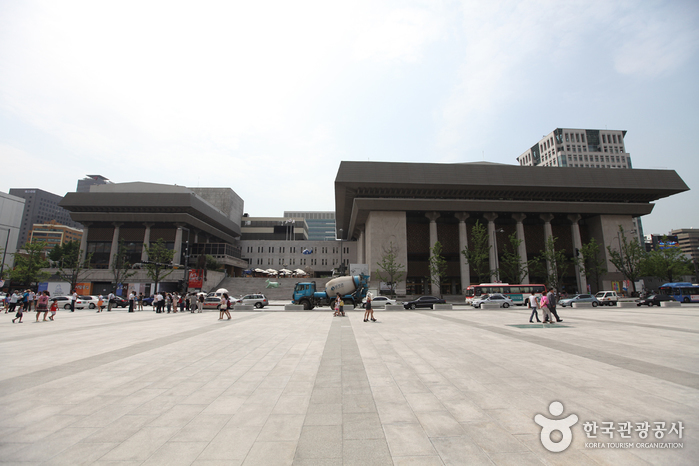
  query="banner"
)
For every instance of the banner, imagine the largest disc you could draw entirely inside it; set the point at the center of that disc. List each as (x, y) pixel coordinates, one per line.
(196, 278)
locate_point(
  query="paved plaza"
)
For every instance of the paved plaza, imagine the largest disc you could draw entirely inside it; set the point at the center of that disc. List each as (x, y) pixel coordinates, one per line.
(305, 388)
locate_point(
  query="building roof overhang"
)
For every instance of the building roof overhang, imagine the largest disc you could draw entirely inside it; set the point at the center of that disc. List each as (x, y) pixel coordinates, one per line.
(364, 186)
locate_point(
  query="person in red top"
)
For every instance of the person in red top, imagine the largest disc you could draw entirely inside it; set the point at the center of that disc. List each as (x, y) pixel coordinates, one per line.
(54, 309)
(42, 305)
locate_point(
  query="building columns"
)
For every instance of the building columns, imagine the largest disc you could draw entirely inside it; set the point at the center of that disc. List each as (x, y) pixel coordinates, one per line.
(178, 246)
(115, 245)
(577, 246)
(464, 266)
(360, 246)
(146, 242)
(548, 233)
(490, 217)
(83, 243)
(522, 249)
(433, 216)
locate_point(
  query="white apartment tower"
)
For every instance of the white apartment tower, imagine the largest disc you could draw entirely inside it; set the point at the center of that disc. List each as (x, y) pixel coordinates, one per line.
(568, 147)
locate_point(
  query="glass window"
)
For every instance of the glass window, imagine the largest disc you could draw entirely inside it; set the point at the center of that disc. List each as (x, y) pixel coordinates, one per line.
(604, 138)
(577, 137)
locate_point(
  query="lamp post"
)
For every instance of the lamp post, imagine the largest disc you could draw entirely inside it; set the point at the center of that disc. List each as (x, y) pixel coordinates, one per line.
(495, 248)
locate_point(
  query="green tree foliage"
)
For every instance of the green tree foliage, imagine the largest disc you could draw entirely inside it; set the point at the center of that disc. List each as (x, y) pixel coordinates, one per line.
(390, 270)
(666, 264)
(555, 262)
(513, 268)
(121, 268)
(28, 265)
(437, 266)
(212, 263)
(70, 268)
(159, 261)
(478, 257)
(629, 259)
(592, 264)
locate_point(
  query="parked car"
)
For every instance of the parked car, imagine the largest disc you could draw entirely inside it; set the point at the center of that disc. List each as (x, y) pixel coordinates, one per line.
(498, 298)
(62, 301)
(147, 301)
(214, 302)
(423, 301)
(379, 301)
(120, 302)
(607, 298)
(86, 301)
(257, 300)
(579, 298)
(654, 300)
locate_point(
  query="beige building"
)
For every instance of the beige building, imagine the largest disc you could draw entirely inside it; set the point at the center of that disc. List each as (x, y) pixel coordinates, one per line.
(53, 234)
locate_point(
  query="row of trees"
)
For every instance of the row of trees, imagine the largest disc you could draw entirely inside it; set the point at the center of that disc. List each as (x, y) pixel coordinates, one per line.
(29, 266)
(631, 260)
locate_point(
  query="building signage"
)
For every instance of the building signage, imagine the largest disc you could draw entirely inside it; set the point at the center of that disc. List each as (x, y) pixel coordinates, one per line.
(196, 278)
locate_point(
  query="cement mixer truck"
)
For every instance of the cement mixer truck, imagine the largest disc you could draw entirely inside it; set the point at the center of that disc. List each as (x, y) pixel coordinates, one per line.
(352, 289)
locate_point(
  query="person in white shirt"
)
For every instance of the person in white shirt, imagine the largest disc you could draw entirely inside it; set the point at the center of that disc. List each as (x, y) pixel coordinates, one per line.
(73, 298)
(110, 301)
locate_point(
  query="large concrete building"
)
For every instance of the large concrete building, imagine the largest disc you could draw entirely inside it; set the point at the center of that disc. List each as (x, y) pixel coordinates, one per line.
(413, 205)
(40, 207)
(688, 239)
(321, 225)
(90, 180)
(141, 213)
(11, 214)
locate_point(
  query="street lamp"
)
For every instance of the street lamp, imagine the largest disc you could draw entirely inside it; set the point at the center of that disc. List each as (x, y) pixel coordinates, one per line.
(495, 248)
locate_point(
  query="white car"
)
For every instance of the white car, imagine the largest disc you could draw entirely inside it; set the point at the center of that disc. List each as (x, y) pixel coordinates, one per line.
(380, 301)
(501, 299)
(89, 302)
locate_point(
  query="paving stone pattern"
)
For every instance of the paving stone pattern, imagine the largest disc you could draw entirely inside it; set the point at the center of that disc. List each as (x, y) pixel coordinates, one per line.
(304, 388)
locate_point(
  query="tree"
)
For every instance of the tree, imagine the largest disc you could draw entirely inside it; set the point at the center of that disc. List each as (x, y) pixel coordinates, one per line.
(70, 268)
(393, 271)
(512, 268)
(555, 262)
(478, 257)
(629, 259)
(666, 264)
(28, 265)
(121, 268)
(592, 263)
(212, 263)
(159, 260)
(437, 266)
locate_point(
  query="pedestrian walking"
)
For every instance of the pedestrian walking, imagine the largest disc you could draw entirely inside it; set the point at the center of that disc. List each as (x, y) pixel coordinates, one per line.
(53, 309)
(533, 303)
(225, 307)
(369, 313)
(100, 302)
(14, 299)
(42, 305)
(132, 299)
(200, 302)
(111, 299)
(140, 301)
(73, 299)
(31, 300)
(551, 298)
(546, 313)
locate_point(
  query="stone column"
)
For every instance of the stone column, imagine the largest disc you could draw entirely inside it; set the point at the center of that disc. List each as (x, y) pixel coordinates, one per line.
(115, 245)
(83, 243)
(547, 234)
(178, 246)
(361, 259)
(146, 242)
(577, 247)
(464, 266)
(522, 249)
(490, 217)
(433, 216)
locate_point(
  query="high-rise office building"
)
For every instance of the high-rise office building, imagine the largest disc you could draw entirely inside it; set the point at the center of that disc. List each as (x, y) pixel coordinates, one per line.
(53, 234)
(321, 225)
(11, 213)
(569, 147)
(40, 207)
(582, 148)
(90, 180)
(688, 239)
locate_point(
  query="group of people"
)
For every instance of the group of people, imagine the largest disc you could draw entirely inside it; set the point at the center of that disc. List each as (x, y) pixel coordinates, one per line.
(547, 303)
(171, 301)
(21, 302)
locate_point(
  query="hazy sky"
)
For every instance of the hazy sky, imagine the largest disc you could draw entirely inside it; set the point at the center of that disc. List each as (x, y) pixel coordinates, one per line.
(267, 97)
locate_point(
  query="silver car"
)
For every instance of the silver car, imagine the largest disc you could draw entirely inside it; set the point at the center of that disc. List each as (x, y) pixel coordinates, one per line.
(501, 299)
